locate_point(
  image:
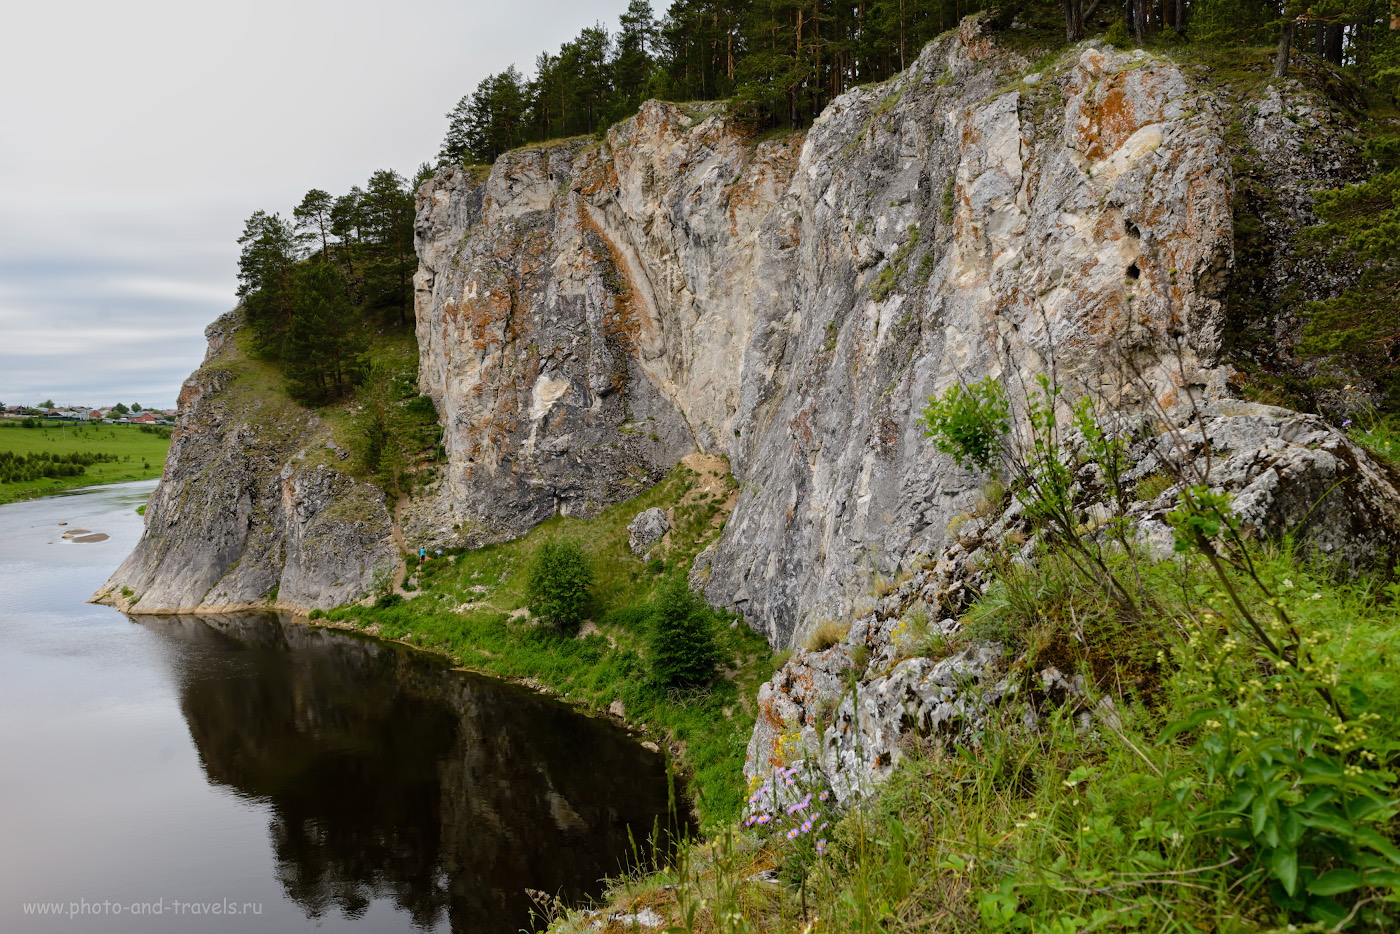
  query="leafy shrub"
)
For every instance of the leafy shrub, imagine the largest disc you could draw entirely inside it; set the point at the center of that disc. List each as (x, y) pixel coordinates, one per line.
(970, 423)
(386, 600)
(682, 644)
(561, 577)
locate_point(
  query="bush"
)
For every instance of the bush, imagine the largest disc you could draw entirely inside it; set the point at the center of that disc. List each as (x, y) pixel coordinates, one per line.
(561, 577)
(682, 644)
(970, 423)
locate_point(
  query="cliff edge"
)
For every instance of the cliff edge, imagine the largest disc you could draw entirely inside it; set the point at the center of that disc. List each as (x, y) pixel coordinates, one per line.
(255, 508)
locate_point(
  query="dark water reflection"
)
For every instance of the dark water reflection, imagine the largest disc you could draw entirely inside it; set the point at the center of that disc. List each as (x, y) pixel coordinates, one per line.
(331, 782)
(392, 777)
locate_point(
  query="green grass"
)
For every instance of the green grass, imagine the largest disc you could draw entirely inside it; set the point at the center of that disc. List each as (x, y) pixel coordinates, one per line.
(1064, 829)
(1381, 437)
(469, 606)
(141, 455)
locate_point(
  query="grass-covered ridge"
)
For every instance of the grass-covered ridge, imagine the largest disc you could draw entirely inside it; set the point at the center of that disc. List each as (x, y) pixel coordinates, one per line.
(136, 454)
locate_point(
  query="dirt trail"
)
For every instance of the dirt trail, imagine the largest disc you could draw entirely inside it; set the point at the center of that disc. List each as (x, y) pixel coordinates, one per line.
(401, 571)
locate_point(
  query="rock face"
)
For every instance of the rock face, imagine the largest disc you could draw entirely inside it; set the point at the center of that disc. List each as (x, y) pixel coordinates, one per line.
(251, 510)
(1287, 475)
(587, 313)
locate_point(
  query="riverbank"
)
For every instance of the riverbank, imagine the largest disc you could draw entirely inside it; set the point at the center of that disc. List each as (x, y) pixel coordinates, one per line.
(137, 452)
(469, 607)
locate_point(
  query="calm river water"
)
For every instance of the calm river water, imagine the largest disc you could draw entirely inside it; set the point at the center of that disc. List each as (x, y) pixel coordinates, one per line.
(250, 774)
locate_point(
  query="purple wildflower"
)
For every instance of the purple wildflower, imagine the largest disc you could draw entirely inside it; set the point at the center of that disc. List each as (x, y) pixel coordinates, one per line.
(821, 847)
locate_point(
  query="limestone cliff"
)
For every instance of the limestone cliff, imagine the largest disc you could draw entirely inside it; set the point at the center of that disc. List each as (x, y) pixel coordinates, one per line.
(254, 507)
(586, 312)
(590, 311)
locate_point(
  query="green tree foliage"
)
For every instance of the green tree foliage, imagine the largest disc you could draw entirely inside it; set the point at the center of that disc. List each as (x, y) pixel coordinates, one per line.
(270, 252)
(394, 428)
(1364, 322)
(309, 290)
(323, 350)
(560, 582)
(17, 468)
(783, 60)
(313, 219)
(682, 644)
(970, 423)
(386, 218)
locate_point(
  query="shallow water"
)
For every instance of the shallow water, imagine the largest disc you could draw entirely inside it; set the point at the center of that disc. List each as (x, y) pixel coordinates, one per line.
(253, 774)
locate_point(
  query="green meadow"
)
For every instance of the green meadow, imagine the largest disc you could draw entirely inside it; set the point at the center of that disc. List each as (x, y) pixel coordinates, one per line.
(140, 455)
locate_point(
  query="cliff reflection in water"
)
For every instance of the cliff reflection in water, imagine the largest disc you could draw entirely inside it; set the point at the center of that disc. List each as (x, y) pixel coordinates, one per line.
(392, 777)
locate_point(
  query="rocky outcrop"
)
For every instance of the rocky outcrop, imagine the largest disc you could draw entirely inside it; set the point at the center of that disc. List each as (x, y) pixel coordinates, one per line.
(846, 725)
(590, 312)
(646, 530)
(253, 508)
(587, 312)
(1289, 476)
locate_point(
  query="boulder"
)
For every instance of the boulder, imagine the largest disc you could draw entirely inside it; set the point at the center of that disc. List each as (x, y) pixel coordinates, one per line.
(646, 530)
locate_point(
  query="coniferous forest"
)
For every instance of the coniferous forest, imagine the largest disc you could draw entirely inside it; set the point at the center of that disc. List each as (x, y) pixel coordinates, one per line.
(312, 286)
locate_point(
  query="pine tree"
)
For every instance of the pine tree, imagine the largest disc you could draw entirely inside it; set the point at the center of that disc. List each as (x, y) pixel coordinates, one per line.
(456, 146)
(313, 218)
(270, 250)
(387, 216)
(682, 646)
(632, 63)
(324, 347)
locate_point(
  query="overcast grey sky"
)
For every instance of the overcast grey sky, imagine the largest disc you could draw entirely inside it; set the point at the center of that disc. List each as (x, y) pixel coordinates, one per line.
(136, 137)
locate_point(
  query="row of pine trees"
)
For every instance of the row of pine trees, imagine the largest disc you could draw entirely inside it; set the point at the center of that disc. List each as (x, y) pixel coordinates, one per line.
(314, 284)
(781, 61)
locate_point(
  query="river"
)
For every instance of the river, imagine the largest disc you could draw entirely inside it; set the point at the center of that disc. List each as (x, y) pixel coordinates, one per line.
(248, 774)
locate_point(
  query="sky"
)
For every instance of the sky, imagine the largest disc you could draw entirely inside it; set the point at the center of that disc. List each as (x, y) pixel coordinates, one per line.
(136, 138)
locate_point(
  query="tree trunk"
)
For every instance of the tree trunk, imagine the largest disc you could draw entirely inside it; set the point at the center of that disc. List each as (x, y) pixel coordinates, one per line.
(1334, 43)
(1285, 40)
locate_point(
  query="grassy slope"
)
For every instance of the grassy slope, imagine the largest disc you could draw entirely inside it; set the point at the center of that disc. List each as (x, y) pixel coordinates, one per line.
(469, 606)
(1066, 829)
(141, 454)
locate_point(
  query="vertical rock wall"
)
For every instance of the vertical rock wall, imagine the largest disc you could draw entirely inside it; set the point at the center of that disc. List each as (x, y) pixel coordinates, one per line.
(589, 312)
